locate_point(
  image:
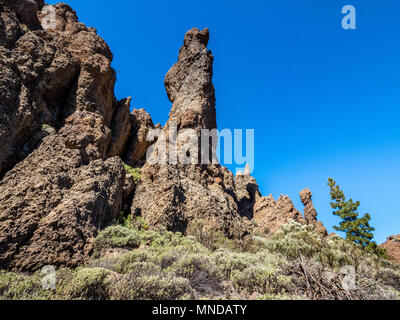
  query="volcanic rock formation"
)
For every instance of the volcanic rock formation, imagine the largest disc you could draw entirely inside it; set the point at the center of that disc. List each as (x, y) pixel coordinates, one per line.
(310, 214)
(57, 109)
(174, 195)
(135, 152)
(270, 215)
(247, 193)
(392, 247)
(63, 135)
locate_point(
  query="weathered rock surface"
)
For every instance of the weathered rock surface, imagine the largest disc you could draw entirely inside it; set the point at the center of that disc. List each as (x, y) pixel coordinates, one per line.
(59, 185)
(270, 215)
(63, 135)
(392, 247)
(173, 195)
(247, 194)
(137, 145)
(310, 214)
(189, 84)
(120, 128)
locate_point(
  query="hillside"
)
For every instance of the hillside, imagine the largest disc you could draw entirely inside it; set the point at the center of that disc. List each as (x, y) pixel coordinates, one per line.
(83, 189)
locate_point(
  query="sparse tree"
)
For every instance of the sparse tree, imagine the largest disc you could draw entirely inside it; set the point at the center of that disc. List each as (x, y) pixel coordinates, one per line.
(357, 230)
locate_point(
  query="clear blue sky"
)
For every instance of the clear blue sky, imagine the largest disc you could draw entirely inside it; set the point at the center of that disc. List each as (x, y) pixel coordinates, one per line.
(323, 101)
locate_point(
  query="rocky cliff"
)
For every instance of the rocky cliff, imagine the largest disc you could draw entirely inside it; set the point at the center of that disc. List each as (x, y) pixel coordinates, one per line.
(392, 247)
(64, 137)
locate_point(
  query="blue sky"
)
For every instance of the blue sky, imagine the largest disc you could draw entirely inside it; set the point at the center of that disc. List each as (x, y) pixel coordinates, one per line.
(323, 101)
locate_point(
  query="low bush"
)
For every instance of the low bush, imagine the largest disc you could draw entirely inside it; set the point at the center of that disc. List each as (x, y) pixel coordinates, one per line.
(15, 286)
(201, 271)
(118, 237)
(138, 286)
(143, 264)
(90, 284)
(134, 172)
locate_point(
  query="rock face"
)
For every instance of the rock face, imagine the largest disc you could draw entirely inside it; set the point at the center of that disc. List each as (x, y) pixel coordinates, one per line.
(392, 247)
(60, 128)
(270, 215)
(189, 84)
(310, 214)
(141, 123)
(172, 195)
(63, 135)
(247, 194)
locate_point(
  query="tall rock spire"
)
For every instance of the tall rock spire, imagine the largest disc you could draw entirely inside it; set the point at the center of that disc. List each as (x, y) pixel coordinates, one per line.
(173, 195)
(189, 84)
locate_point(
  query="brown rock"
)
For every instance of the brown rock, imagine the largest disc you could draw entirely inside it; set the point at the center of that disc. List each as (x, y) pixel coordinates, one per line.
(310, 214)
(120, 128)
(247, 193)
(189, 84)
(392, 247)
(136, 149)
(60, 125)
(26, 10)
(47, 76)
(270, 215)
(51, 205)
(174, 195)
(129, 186)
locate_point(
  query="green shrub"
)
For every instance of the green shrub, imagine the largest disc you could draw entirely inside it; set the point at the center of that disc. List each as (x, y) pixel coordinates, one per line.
(15, 286)
(118, 237)
(47, 127)
(134, 172)
(104, 263)
(137, 286)
(201, 271)
(169, 240)
(90, 284)
(295, 239)
(166, 266)
(253, 273)
(129, 259)
(261, 279)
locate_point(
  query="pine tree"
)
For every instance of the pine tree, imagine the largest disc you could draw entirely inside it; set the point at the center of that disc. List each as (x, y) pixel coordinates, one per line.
(358, 230)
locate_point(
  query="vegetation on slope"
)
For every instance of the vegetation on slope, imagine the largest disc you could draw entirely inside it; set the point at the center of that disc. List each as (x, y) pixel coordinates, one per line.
(134, 263)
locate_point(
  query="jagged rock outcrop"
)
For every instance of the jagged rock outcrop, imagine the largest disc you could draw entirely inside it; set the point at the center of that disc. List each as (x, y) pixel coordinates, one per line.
(270, 215)
(64, 135)
(247, 194)
(120, 128)
(189, 84)
(310, 214)
(138, 143)
(59, 130)
(392, 247)
(172, 195)
(48, 75)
